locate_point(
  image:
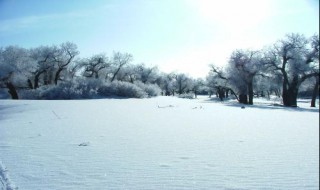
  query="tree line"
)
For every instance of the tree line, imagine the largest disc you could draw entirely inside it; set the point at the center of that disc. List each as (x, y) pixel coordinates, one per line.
(36, 72)
(57, 72)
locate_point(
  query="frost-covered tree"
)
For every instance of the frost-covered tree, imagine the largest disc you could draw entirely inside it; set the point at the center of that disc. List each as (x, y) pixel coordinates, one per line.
(73, 69)
(296, 59)
(92, 67)
(196, 85)
(315, 91)
(62, 57)
(167, 83)
(243, 66)
(14, 64)
(315, 55)
(43, 65)
(127, 73)
(140, 72)
(182, 83)
(220, 82)
(118, 61)
(146, 74)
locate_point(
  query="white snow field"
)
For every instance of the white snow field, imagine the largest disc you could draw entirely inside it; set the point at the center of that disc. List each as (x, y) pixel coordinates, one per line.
(157, 143)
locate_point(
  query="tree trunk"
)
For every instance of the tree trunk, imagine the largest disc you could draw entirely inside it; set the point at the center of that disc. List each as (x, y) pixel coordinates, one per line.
(36, 79)
(235, 95)
(289, 97)
(12, 91)
(221, 93)
(45, 78)
(315, 93)
(250, 90)
(268, 94)
(243, 95)
(290, 93)
(57, 75)
(115, 74)
(243, 99)
(30, 84)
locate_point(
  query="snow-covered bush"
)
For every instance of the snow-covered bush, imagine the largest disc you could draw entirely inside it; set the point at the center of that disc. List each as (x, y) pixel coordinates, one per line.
(64, 90)
(187, 95)
(77, 89)
(123, 89)
(150, 89)
(88, 87)
(31, 94)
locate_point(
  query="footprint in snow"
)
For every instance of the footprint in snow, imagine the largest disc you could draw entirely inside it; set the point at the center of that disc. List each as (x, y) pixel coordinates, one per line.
(169, 106)
(84, 144)
(200, 107)
(184, 158)
(32, 137)
(164, 165)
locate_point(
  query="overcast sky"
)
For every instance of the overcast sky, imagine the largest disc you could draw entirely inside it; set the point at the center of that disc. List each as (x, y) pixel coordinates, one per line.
(175, 35)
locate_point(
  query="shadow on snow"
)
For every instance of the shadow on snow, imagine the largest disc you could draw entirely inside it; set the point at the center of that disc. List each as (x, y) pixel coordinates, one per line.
(263, 105)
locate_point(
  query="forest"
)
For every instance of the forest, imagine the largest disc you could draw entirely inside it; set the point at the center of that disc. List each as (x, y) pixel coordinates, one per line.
(288, 68)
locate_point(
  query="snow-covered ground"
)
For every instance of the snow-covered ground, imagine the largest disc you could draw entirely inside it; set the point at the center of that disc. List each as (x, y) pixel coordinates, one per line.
(157, 143)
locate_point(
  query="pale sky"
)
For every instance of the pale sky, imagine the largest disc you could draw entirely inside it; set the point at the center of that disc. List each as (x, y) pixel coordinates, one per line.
(175, 35)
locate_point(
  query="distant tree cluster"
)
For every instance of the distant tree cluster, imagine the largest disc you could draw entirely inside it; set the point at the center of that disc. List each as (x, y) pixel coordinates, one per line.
(280, 69)
(57, 72)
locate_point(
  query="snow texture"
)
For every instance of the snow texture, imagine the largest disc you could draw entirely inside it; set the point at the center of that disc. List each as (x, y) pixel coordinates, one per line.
(158, 143)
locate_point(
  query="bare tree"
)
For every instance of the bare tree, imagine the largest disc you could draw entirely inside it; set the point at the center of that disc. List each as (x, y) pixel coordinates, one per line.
(219, 80)
(295, 58)
(182, 83)
(314, 54)
(94, 65)
(146, 74)
(245, 64)
(118, 61)
(42, 61)
(74, 68)
(196, 85)
(315, 92)
(167, 83)
(63, 57)
(13, 62)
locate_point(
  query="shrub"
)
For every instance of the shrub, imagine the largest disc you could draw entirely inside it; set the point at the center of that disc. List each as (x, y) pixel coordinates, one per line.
(187, 95)
(123, 89)
(85, 88)
(32, 94)
(150, 89)
(64, 90)
(78, 89)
